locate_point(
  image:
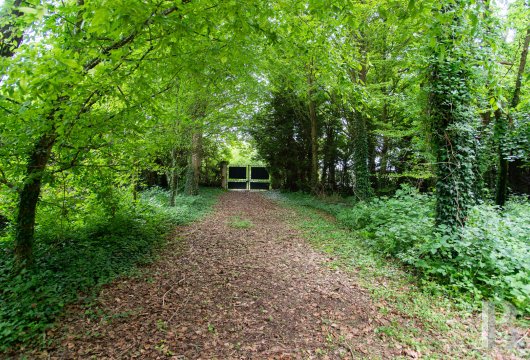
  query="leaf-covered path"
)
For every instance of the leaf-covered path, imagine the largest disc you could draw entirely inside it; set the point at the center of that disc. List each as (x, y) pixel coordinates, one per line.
(239, 284)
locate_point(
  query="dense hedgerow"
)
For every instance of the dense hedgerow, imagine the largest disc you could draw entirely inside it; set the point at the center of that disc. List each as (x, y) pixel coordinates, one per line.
(75, 256)
(489, 258)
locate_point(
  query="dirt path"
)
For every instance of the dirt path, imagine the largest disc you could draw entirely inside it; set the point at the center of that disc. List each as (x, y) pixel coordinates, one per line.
(224, 292)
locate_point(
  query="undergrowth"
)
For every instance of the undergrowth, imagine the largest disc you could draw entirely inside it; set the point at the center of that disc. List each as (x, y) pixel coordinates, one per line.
(391, 288)
(488, 259)
(374, 240)
(76, 256)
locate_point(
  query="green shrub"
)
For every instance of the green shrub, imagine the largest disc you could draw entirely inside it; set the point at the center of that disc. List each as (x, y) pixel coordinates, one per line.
(74, 257)
(392, 225)
(489, 258)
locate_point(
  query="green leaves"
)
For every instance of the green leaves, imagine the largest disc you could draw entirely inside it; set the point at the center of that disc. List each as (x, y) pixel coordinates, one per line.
(75, 258)
(27, 10)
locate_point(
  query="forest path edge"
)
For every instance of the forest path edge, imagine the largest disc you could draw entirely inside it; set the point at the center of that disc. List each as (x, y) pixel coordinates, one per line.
(244, 283)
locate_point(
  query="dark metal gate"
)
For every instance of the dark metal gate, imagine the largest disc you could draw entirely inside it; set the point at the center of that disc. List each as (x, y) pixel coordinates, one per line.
(248, 177)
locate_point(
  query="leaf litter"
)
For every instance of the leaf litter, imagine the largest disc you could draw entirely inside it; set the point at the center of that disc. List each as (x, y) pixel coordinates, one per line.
(225, 292)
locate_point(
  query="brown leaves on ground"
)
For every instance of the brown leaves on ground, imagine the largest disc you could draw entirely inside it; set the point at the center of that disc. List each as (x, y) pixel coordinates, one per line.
(221, 292)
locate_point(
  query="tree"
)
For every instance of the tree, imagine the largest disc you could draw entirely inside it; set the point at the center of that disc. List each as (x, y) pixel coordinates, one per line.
(503, 121)
(99, 66)
(451, 112)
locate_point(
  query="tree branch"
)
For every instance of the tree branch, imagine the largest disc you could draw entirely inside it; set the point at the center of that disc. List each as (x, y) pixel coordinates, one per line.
(129, 38)
(3, 180)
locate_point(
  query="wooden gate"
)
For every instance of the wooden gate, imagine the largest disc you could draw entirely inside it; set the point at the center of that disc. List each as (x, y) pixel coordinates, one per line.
(247, 177)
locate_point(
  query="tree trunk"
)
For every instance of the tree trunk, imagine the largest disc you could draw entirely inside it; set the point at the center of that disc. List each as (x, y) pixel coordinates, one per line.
(501, 126)
(520, 71)
(502, 171)
(314, 132)
(362, 187)
(224, 175)
(452, 132)
(194, 171)
(29, 197)
(329, 153)
(196, 159)
(173, 177)
(134, 182)
(384, 160)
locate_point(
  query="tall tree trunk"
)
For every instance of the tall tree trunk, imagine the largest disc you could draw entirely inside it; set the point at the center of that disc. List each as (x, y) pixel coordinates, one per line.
(314, 131)
(384, 160)
(453, 134)
(332, 178)
(328, 181)
(501, 126)
(362, 186)
(520, 71)
(134, 181)
(194, 171)
(29, 197)
(173, 177)
(196, 159)
(224, 174)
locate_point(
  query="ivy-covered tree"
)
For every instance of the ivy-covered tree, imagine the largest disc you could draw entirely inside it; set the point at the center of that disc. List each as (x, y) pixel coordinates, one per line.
(450, 76)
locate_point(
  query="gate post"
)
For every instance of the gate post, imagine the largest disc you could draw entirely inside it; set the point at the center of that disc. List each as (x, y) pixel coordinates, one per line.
(249, 169)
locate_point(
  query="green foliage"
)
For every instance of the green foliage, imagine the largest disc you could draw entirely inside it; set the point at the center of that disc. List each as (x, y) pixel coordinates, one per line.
(390, 285)
(517, 140)
(451, 75)
(392, 225)
(118, 89)
(72, 263)
(282, 135)
(240, 223)
(486, 259)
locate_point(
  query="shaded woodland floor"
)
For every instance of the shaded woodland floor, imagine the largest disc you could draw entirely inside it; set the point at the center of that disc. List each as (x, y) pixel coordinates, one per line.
(242, 283)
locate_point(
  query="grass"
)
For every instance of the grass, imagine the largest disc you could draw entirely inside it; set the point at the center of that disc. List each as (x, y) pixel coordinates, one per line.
(71, 266)
(437, 325)
(240, 223)
(487, 259)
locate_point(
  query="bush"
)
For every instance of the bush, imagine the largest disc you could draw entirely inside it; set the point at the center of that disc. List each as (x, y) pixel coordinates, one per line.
(489, 258)
(392, 225)
(75, 258)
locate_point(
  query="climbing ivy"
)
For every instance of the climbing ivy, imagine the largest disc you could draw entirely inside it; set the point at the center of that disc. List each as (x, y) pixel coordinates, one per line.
(450, 75)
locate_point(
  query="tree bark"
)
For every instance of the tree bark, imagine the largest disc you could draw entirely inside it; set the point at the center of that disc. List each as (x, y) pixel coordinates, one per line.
(194, 171)
(453, 137)
(29, 197)
(520, 71)
(134, 182)
(502, 174)
(173, 178)
(314, 131)
(501, 125)
(196, 159)
(361, 169)
(224, 175)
